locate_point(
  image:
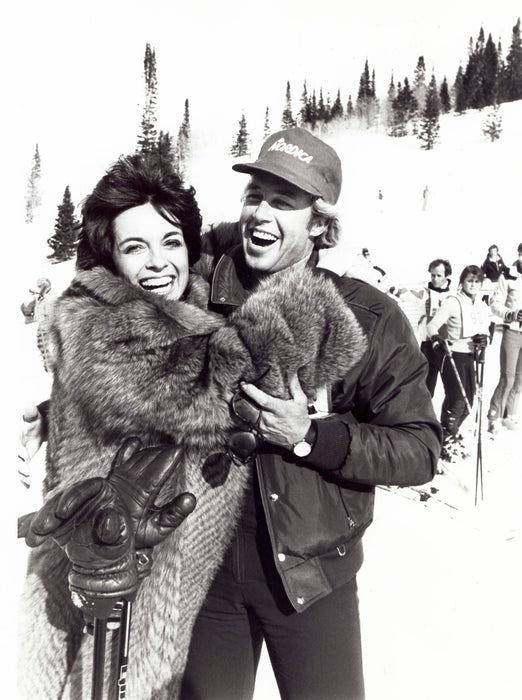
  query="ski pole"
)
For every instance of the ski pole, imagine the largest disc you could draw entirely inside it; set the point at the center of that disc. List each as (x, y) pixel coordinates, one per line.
(123, 651)
(479, 374)
(98, 666)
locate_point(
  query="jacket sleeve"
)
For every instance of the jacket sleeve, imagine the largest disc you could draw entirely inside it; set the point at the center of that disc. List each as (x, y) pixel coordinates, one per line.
(449, 307)
(387, 432)
(498, 302)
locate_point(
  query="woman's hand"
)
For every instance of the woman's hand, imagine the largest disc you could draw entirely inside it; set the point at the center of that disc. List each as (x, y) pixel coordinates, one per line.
(30, 441)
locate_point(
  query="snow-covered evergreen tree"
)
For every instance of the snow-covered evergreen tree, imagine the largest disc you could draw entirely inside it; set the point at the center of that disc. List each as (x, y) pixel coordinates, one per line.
(66, 228)
(33, 198)
(241, 144)
(287, 119)
(429, 124)
(147, 138)
(492, 124)
(459, 91)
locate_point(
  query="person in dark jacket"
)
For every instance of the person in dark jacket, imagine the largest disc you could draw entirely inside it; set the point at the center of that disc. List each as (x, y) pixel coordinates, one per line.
(493, 266)
(289, 576)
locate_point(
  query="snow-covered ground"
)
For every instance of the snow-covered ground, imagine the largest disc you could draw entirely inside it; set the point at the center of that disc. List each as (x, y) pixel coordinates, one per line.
(440, 589)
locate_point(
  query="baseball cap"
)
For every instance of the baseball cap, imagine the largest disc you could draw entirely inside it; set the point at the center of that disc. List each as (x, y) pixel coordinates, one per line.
(299, 157)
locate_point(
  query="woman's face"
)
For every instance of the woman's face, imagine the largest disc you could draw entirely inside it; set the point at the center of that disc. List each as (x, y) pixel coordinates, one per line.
(471, 285)
(150, 252)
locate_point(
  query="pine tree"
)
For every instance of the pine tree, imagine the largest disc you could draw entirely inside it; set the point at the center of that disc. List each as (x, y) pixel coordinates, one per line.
(165, 149)
(147, 138)
(460, 92)
(65, 238)
(404, 108)
(182, 152)
(474, 74)
(241, 144)
(287, 119)
(33, 198)
(490, 72)
(429, 125)
(366, 106)
(492, 124)
(322, 114)
(388, 109)
(350, 111)
(337, 107)
(444, 96)
(514, 66)
(304, 112)
(266, 128)
(419, 83)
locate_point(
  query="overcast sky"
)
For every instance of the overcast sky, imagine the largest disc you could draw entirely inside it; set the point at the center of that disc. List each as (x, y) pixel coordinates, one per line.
(78, 66)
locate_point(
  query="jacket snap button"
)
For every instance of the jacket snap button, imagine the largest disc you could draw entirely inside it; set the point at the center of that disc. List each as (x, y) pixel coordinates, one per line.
(281, 556)
(222, 299)
(274, 497)
(300, 600)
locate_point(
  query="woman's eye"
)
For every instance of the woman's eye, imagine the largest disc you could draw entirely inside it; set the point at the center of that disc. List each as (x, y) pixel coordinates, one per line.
(173, 243)
(131, 249)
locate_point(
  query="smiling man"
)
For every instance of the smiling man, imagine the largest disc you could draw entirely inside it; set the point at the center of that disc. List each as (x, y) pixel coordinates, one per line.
(289, 577)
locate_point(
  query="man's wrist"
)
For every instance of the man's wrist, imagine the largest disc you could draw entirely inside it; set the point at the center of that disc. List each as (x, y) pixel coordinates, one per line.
(303, 447)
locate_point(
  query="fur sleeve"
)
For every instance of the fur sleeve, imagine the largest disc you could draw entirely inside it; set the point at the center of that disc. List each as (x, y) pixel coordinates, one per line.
(296, 321)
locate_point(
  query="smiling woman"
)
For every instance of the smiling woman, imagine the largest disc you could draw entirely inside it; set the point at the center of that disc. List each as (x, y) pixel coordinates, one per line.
(150, 251)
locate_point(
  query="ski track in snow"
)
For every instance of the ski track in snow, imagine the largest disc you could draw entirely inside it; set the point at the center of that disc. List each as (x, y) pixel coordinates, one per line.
(440, 588)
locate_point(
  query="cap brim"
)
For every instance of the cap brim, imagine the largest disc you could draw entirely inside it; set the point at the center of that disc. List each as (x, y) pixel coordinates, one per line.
(279, 171)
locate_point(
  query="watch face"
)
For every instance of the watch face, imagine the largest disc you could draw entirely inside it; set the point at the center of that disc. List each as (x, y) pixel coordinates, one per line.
(302, 449)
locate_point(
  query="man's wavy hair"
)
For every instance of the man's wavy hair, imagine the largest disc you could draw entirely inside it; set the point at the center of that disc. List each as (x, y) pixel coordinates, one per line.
(130, 182)
(325, 213)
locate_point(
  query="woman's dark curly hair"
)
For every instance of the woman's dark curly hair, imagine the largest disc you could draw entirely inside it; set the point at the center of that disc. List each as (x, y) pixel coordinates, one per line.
(130, 182)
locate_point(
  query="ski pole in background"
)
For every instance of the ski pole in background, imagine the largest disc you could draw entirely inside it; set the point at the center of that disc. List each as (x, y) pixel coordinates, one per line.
(480, 342)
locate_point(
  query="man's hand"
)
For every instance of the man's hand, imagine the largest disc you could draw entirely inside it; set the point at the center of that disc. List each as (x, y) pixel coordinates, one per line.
(30, 440)
(282, 422)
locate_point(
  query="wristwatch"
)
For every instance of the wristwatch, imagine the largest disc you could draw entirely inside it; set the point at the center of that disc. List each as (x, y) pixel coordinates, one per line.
(305, 445)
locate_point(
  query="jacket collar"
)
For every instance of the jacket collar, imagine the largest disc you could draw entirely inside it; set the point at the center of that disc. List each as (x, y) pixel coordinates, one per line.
(233, 280)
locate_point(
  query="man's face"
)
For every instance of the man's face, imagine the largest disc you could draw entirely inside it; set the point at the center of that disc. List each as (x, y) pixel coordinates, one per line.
(438, 276)
(274, 221)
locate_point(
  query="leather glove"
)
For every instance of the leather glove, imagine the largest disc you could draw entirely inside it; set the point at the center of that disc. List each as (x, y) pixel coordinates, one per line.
(437, 341)
(480, 340)
(108, 526)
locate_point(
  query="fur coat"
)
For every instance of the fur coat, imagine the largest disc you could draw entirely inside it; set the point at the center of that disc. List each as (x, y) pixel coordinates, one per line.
(127, 363)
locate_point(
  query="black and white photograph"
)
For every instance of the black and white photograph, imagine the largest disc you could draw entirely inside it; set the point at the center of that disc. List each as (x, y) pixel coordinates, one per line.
(263, 360)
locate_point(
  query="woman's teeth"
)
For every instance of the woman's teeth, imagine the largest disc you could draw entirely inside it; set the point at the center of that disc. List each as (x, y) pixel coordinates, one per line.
(158, 285)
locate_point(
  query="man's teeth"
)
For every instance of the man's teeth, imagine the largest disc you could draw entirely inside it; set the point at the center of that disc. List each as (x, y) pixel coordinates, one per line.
(263, 238)
(159, 285)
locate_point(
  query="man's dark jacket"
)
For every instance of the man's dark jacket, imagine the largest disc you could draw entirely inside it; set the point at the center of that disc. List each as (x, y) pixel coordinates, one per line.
(381, 430)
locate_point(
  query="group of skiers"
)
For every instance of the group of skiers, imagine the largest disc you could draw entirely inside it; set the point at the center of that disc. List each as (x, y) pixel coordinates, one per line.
(454, 326)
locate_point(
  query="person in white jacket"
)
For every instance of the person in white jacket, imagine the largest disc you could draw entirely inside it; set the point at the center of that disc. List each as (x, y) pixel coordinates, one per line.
(466, 319)
(507, 303)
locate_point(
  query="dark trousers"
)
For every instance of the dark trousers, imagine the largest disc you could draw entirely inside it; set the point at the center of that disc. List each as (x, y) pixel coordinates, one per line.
(315, 654)
(434, 357)
(454, 409)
